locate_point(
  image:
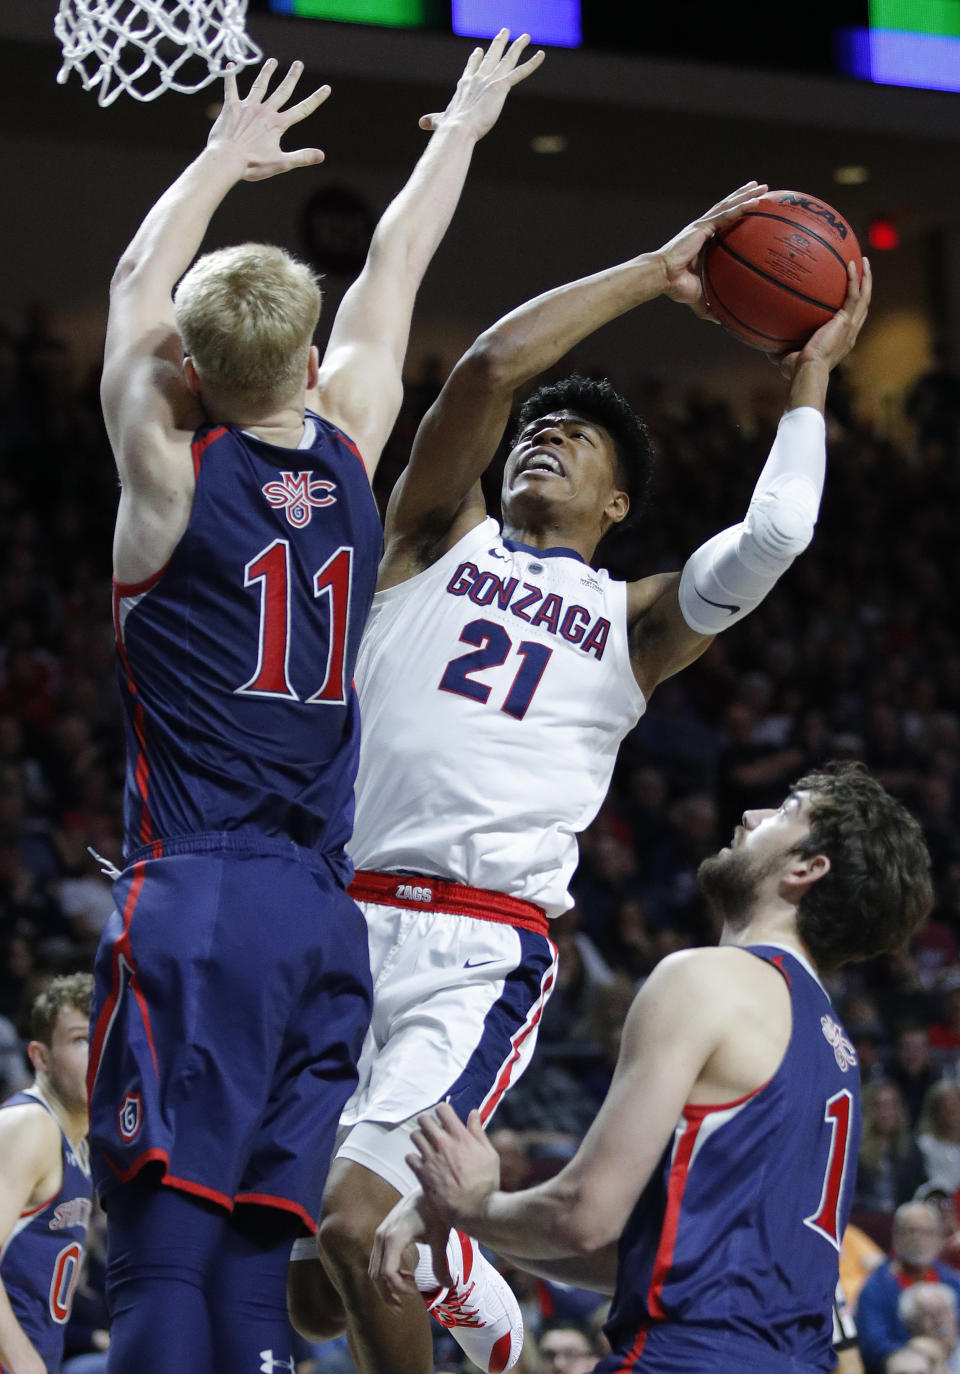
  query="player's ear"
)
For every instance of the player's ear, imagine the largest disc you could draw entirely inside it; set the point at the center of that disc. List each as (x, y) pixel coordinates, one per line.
(39, 1056)
(190, 375)
(313, 367)
(617, 507)
(805, 870)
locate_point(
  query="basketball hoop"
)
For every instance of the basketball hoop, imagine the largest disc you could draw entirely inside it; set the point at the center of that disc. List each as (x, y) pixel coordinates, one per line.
(146, 47)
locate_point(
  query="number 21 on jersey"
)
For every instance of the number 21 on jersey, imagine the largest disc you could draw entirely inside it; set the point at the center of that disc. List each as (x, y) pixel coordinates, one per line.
(494, 647)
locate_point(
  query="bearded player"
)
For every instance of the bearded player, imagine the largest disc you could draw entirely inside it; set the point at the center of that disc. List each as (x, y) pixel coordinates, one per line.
(711, 1193)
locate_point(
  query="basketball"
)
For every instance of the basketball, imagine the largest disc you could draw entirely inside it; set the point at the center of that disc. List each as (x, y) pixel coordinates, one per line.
(778, 273)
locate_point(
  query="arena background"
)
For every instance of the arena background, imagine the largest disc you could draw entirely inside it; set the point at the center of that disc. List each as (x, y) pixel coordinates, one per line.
(856, 653)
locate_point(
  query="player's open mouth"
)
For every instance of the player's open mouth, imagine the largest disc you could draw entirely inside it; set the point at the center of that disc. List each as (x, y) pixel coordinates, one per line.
(542, 460)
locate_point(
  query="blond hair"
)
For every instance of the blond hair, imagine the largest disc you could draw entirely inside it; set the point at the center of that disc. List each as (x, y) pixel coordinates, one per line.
(246, 316)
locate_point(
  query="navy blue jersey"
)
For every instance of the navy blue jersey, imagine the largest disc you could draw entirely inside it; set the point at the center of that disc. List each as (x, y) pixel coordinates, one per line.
(738, 1229)
(236, 659)
(40, 1262)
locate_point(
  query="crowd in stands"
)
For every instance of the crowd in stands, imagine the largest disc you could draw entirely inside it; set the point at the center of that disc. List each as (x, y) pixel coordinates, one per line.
(856, 654)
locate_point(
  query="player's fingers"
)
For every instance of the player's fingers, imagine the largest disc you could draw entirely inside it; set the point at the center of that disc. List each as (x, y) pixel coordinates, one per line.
(475, 1125)
(429, 122)
(306, 106)
(303, 157)
(262, 79)
(447, 1117)
(230, 85)
(419, 1141)
(431, 1135)
(495, 51)
(512, 56)
(527, 68)
(285, 90)
(473, 62)
(866, 286)
(388, 1276)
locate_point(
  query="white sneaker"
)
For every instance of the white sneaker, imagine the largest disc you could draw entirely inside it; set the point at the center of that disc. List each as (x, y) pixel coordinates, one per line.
(480, 1311)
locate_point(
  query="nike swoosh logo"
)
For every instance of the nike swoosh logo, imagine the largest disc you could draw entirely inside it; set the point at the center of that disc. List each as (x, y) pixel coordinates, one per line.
(720, 605)
(479, 963)
(495, 553)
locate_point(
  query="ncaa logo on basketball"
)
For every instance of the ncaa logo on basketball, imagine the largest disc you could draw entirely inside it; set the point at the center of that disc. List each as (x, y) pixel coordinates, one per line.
(130, 1117)
(843, 1051)
(300, 493)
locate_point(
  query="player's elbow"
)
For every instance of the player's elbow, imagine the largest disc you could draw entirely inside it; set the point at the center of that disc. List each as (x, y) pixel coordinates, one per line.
(123, 272)
(491, 365)
(779, 526)
(589, 1228)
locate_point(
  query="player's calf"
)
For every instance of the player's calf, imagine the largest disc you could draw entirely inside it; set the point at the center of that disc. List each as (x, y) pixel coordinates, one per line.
(316, 1309)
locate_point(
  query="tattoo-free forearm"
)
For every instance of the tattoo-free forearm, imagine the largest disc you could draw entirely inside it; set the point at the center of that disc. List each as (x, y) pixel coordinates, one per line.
(536, 335)
(414, 223)
(596, 1272)
(547, 1222)
(809, 386)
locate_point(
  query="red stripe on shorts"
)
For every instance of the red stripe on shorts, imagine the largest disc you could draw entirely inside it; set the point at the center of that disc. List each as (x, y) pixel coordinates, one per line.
(635, 1351)
(418, 893)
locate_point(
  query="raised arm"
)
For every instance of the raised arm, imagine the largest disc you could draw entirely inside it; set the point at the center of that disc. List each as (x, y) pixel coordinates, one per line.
(437, 498)
(146, 403)
(674, 616)
(360, 385)
(30, 1174)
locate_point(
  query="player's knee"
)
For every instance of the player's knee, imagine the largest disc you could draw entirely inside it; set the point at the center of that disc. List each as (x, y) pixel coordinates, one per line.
(345, 1240)
(315, 1307)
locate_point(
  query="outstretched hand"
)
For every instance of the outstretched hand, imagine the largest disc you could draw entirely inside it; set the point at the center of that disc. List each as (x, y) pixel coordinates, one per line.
(485, 84)
(457, 1169)
(254, 126)
(680, 257)
(393, 1258)
(833, 341)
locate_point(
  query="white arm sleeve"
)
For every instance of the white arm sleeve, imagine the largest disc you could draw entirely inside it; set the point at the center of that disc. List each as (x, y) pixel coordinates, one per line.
(732, 572)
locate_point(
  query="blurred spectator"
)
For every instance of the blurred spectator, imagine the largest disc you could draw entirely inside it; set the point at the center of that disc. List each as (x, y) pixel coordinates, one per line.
(911, 1067)
(938, 1134)
(890, 1167)
(933, 404)
(917, 1237)
(13, 1064)
(566, 1350)
(929, 1311)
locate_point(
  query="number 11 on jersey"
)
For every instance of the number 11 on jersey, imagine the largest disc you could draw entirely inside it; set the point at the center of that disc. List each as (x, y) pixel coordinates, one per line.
(270, 570)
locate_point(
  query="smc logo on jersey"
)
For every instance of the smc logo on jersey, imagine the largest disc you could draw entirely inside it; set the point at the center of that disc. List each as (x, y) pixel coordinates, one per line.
(76, 1212)
(843, 1051)
(299, 493)
(130, 1117)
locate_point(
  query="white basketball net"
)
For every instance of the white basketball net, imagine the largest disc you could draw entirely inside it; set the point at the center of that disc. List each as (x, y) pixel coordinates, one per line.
(146, 47)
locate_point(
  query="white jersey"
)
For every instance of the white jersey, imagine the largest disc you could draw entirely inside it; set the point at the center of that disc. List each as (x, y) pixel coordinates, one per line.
(495, 688)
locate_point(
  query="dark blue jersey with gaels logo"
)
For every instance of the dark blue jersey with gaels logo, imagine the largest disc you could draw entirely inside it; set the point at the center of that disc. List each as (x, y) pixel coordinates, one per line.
(236, 659)
(40, 1261)
(737, 1234)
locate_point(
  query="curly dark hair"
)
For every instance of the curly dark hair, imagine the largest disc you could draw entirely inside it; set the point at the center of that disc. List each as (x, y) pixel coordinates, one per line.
(878, 889)
(73, 990)
(601, 403)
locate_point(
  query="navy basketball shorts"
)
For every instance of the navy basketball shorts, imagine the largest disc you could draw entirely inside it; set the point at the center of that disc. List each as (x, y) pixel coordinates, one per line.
(232, 996)
(676, 1348)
